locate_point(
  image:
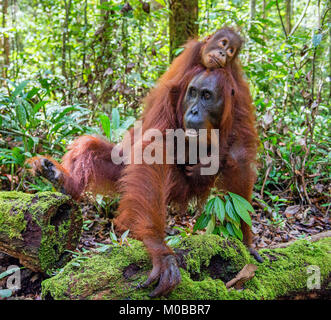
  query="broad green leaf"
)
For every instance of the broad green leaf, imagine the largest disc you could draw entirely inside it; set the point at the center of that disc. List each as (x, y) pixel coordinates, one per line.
(242, 207)
(21, 114)
(224, 231)
(115, 119)
(201, 222)
(209, 206)
(230, 229)
(231, 211)
(32, 92)
(105, 123)
(64, 112)
(211, 225)
(19, 88)
(126, 124)
(238, 232)
(219, 208)
(39, 105)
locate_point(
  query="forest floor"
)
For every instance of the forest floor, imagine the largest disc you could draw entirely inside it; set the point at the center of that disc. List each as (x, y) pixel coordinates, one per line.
(269, 228)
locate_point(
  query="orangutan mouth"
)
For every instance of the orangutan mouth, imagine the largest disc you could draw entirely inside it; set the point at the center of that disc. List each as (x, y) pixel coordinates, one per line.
(191, 133)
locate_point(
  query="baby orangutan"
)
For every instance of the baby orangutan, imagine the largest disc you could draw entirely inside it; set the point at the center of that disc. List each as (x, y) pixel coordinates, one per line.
(221, 49)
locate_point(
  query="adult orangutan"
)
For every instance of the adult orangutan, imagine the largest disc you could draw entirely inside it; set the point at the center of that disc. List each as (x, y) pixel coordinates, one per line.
(190, 98)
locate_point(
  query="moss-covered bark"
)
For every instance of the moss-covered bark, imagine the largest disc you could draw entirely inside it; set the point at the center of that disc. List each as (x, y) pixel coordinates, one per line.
(39, 228)
(182, 23)
(207, 263)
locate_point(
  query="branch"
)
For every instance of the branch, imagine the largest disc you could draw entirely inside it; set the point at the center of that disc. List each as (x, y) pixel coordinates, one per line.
(300, 19)
(281, 19)
(313, 238)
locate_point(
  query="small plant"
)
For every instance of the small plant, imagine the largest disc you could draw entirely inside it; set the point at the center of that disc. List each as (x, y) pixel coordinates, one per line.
(183, 233)
(121, 241)
(115, 128)
(222, 214)
(105, 205)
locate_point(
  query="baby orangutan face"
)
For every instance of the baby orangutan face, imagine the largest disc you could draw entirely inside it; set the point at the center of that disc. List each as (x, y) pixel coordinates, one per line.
(221, 49)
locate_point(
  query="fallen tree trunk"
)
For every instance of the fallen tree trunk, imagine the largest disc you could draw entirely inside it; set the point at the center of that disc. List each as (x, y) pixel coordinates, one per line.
(39, 228)
(207, 264)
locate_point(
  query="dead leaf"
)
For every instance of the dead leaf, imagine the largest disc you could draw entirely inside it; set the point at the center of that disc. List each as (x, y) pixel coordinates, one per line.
(291, 210)
(247, 273)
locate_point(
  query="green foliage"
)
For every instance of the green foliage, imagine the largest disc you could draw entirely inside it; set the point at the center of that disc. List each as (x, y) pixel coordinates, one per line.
(31, 123)
(174, 240)
(222, 215)
(115, 128)
(121, 241)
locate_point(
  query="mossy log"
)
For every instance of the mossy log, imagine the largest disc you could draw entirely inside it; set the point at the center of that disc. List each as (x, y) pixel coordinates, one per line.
(207, 263)
(38, 229)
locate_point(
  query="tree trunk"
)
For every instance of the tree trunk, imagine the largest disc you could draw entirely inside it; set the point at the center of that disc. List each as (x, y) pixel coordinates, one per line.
(288, 16)
(67, 7)
(5, 44)
(208, 265)
(39, 228)
(182, 23)
(252, 9)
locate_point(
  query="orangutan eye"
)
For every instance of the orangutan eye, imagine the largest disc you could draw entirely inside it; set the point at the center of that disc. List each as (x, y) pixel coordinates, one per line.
(192, 92)
(206, 95)
(231, 51)
(223, 43)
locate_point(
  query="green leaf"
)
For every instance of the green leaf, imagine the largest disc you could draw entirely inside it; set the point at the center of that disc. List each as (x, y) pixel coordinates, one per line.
(201, 222)
(242, 207)
(19, 88)
(113, 236)
(238, 232)
(230, 229)
(64, 112)
(224, 231)
(21, 114)
(209, 206)
(39, 105)
(161, 2)
(115, 119)
(211, 225)
(231, 211)
(219, 208)
(124, 235)
(105, 123)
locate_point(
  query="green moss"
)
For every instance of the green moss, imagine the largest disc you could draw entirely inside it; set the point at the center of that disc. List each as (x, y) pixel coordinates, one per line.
(54, 240)
(106, 275)
(104, 270)
(203, 248)
(41, 207)
(12, 211)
